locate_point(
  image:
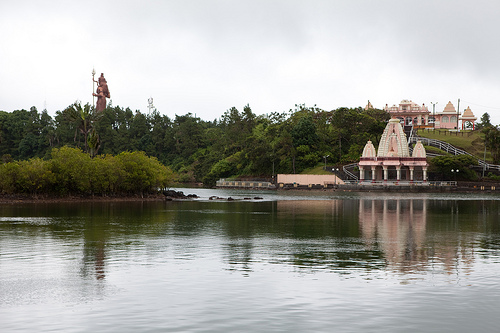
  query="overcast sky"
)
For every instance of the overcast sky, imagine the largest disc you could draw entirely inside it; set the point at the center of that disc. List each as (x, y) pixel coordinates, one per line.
(206, 56)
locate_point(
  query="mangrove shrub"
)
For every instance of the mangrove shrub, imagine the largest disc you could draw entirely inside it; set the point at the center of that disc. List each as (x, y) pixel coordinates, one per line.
(70, 171)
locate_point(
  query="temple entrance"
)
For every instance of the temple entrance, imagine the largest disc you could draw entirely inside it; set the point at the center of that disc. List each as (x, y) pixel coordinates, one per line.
(405, 174)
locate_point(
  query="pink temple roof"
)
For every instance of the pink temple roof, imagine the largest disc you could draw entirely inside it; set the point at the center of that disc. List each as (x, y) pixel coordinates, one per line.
(468, 115)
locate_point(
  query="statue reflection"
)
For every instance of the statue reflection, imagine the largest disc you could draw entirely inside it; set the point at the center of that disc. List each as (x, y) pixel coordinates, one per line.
(99, 262)
(94, 252)
(397, 227)
(94, 260)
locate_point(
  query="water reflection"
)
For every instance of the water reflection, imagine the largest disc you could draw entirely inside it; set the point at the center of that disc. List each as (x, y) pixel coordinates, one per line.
(93, 262)
(371, 235)
(321, 235)
(189, 266)
(399, 228)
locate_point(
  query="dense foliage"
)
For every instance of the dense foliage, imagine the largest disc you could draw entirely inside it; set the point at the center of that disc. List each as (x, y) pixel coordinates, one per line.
(239, 143)
(71, 171)
(454, 167)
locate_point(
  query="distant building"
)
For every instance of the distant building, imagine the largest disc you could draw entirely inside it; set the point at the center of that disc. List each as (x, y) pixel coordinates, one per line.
(410, 113)
(468, 117)
(393, 161)
(447, 119)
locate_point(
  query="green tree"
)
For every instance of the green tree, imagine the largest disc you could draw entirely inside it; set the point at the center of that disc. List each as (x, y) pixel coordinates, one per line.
(83, 119)
(48, 137)
(9, 176)
(142, 174)
(28, 146)
(484, 122)
(35, 176)
(443, 165)
(304, 132)
(14, 127)
(492, 141)
(71, 167)
(221, 169)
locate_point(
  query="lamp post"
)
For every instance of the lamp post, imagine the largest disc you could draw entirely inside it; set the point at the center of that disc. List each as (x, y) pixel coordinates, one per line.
(434, 115)
(455, 172)
(325, 157)
(335, 170)
(484, 159)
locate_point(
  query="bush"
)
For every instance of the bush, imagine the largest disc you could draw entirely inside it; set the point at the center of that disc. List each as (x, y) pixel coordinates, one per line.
(444, 164)
(71, 171)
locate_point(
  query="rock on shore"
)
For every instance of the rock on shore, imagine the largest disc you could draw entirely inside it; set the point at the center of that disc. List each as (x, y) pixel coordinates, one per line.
(172, 194)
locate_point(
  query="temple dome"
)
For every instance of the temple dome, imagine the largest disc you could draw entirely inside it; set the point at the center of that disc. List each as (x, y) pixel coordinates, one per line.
(393, 142)
(419, 150)
(369, 151)
(449, 108)
(468, 115)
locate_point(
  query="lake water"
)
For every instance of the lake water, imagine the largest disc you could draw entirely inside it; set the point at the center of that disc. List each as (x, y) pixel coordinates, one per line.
(289, 262)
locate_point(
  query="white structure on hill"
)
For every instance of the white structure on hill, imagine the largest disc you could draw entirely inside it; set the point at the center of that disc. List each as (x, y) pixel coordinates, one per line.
(393, 161)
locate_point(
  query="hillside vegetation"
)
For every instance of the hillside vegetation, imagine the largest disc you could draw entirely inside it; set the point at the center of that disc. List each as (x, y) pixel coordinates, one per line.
(118, 141)
(237, 144)
(470, 141)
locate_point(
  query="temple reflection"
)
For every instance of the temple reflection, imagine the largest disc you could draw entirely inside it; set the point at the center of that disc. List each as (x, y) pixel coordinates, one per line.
(399, 228)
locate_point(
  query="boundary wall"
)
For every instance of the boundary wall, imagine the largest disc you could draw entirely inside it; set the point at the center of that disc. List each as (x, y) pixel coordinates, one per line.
(309, 179)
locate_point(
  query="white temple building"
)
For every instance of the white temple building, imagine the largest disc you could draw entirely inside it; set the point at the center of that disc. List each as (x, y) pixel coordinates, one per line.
(393, 162)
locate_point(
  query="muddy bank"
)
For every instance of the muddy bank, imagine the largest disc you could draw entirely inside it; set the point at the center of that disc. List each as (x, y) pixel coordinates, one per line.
(163, 196)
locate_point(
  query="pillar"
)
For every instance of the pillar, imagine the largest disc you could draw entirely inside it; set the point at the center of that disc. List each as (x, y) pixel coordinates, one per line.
(424, 173)
(386, 173)
(411, 174)
(398, 173)
(374, 175)
(361, 173)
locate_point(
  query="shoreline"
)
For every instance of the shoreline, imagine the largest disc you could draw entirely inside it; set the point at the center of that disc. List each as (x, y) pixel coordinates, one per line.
(75, 199)
(173, 195)
(390, 188)
(169, 195)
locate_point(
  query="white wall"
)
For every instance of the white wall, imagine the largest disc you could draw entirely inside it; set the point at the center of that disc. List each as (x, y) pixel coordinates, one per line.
(309, 179)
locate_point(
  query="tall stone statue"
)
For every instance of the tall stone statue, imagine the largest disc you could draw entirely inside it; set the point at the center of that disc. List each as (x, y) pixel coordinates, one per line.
(101, 93)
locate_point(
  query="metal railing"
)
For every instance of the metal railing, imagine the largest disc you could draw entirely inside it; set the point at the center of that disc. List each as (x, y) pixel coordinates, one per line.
(349, 173)
(368, 182)
(410, 136)
(445, 146)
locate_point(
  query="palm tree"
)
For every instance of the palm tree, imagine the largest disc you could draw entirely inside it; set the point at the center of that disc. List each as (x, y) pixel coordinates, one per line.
(83, 119)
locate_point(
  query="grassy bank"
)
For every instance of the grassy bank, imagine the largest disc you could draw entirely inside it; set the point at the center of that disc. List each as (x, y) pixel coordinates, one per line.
(470, 141)
(318, 170)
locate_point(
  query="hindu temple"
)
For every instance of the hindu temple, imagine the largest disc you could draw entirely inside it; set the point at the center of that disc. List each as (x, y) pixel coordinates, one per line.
(393, 161)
